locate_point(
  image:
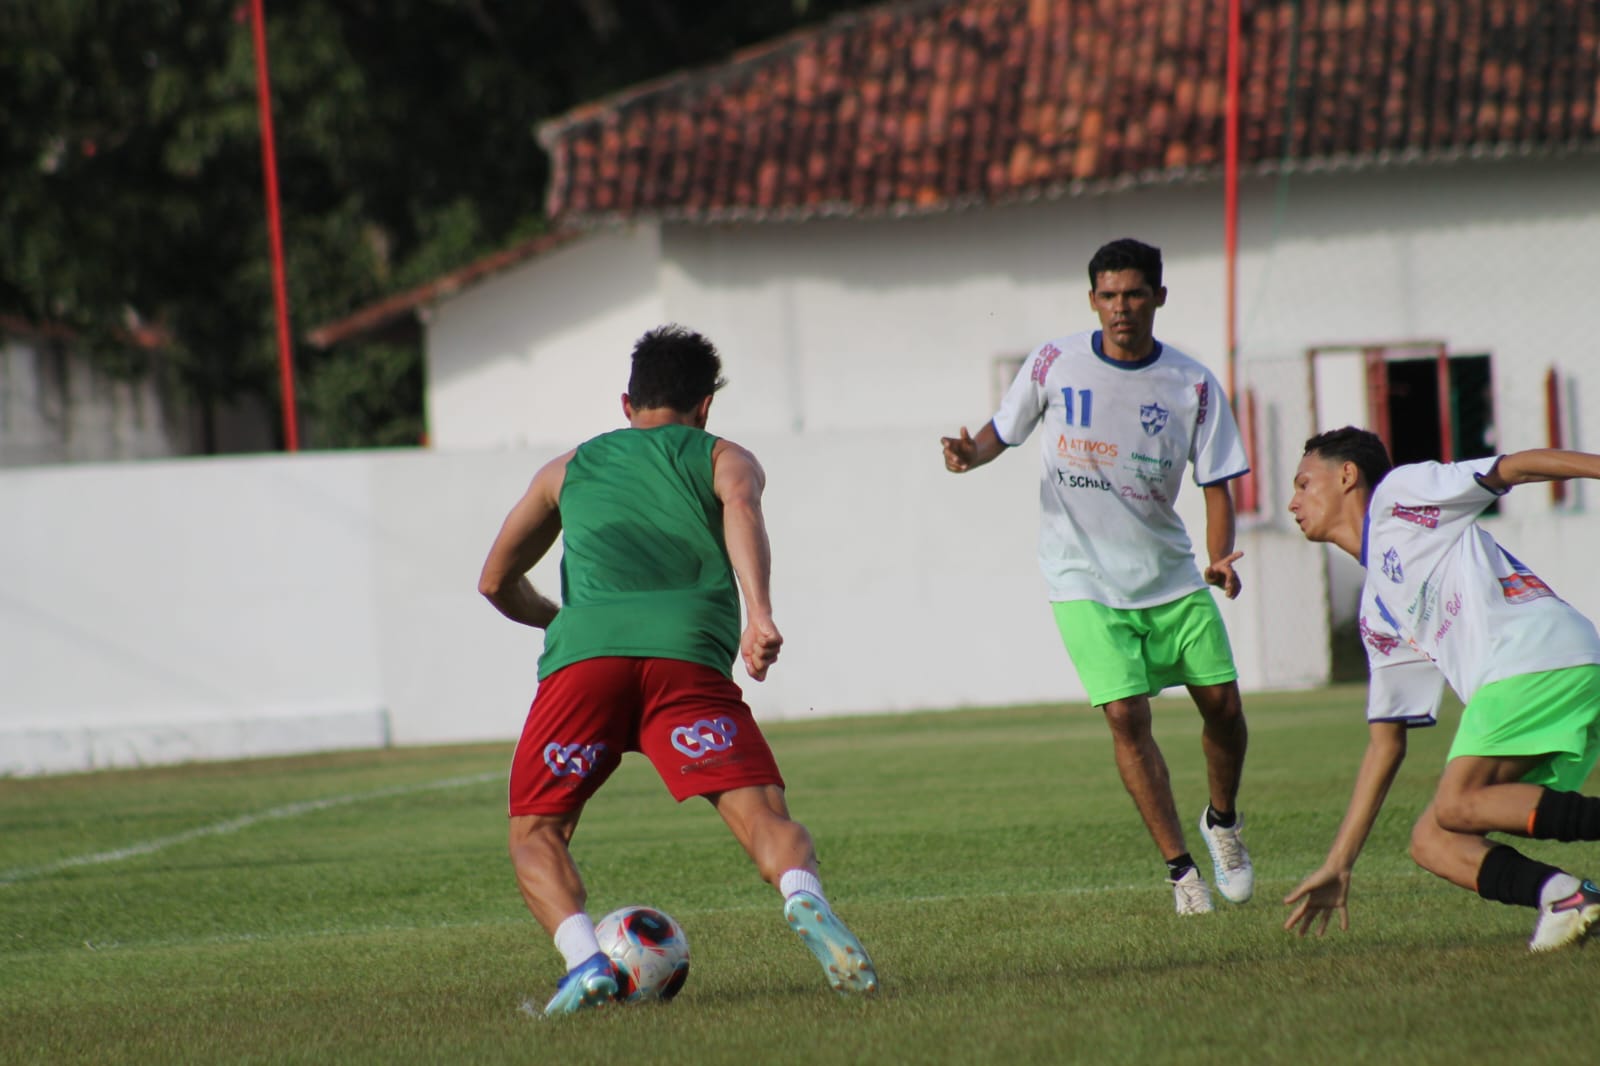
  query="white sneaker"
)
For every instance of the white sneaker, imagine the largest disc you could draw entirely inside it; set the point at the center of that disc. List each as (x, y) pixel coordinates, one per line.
(1567, 921)
(1191, 894)
(1236, 878)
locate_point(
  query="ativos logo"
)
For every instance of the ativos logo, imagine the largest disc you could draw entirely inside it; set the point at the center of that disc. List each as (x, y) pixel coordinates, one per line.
(1084, 447)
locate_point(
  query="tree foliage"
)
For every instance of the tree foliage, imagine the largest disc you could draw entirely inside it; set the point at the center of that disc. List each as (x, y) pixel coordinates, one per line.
(131, 187)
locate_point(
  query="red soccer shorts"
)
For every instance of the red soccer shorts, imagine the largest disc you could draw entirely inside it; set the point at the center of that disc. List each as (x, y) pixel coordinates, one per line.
(690, 721)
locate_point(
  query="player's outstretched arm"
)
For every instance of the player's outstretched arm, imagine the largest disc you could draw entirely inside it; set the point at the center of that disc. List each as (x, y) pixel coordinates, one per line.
(1326, 891)
(1219, 541)
(525, 536)
(967, 452)
(1541, 464)
(738, 480)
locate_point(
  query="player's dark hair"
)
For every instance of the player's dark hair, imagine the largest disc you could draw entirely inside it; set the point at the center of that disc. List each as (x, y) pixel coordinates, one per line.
(1127, 254)
(1351, 445)
(673, 367)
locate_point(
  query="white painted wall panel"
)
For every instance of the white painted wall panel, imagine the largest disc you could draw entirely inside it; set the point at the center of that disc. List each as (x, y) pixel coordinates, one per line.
(541, 351)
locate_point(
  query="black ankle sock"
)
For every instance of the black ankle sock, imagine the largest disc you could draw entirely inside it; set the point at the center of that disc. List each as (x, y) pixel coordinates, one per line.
(1179, 866)
(1565, 816)
(1215, 817)
(1508, 876)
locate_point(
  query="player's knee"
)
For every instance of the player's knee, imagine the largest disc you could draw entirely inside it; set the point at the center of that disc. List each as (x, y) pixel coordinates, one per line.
(1128, 719)
(1220, 705)
(1453, 810)
(1427, 838)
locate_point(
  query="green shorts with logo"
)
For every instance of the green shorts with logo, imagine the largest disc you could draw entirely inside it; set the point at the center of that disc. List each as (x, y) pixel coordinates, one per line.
(1555, 714)
(1121, 652)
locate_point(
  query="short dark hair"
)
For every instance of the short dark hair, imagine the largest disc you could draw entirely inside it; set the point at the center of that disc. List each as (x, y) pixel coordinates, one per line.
(1127, 254)
(1351, 445)
(673, 367)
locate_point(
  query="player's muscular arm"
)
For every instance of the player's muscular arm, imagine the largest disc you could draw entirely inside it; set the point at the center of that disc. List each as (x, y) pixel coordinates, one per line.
(1219, 541)
(1541, 464)
(967, 452)
(738, 480)
(526, 535)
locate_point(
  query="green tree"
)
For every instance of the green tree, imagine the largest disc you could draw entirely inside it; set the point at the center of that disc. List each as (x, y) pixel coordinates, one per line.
(131, 182)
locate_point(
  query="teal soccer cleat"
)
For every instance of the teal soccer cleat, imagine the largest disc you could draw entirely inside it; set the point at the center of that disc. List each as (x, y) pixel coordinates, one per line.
(843, 959)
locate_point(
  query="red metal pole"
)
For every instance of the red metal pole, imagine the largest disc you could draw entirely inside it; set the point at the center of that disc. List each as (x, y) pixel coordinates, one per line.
(1246, 497)
(280, 290)
(1230, 190)
(1555, 438)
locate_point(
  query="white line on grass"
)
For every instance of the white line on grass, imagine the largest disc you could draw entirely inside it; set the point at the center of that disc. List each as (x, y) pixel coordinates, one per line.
(233, 825)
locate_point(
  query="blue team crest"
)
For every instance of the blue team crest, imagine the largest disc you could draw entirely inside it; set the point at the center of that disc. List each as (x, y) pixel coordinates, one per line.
(1391, 566)
(1153, 417)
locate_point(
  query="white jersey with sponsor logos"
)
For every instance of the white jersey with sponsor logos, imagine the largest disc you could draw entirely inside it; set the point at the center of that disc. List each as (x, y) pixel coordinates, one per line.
(1440, 589)
(1117, 437)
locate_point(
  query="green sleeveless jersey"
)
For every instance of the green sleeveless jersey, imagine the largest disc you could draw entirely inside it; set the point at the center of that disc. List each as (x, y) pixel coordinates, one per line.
(644, 569)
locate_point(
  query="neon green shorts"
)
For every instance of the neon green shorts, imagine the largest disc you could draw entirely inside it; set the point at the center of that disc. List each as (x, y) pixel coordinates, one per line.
(1120, 652)
(1555, 714)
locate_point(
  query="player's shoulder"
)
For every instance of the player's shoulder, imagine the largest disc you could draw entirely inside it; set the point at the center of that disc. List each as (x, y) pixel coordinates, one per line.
(1411, 481)
(1176, 359)
(1065, 344)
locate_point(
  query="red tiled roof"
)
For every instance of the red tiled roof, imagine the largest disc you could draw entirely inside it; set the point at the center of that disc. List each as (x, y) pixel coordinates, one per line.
(375, 316)
(912, 107)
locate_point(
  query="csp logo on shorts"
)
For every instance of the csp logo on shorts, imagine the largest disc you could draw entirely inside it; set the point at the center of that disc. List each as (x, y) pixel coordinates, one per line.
(705, 737)
(572, 760)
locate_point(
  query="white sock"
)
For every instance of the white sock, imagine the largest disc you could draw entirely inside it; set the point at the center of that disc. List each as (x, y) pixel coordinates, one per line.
(575, 939)
(1557, 886)
(799, 880)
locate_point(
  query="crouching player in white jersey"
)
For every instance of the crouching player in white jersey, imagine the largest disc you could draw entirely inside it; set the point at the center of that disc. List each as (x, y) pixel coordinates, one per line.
(1443, 601)
(1123, 416)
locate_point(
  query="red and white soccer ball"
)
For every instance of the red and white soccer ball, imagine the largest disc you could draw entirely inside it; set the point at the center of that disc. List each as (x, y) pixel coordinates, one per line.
(649, 950)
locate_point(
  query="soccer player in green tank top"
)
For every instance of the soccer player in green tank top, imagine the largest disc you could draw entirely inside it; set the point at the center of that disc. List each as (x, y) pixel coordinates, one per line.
(662, 529)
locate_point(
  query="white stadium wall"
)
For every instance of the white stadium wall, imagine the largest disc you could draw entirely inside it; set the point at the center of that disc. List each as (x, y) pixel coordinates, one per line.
(208, 609)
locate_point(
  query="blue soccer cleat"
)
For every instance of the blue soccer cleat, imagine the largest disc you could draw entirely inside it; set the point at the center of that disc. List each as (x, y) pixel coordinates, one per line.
(592, 983)
(844, 960)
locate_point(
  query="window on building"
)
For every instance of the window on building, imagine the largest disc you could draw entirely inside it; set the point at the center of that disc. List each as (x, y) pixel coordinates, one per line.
(1424, 401)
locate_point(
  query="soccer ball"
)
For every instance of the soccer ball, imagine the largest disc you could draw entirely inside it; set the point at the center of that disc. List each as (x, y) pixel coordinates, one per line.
(649, 950)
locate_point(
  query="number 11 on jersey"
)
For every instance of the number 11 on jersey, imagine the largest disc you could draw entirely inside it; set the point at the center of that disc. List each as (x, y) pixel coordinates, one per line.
(1086, 407)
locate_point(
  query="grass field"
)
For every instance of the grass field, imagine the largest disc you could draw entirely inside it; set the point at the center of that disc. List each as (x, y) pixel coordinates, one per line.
(359, 908)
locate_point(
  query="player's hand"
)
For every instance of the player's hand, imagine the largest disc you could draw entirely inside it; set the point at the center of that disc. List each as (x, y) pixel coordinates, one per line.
(758, 647)
(959, 452)
(1318, 897)
(1221, 574)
